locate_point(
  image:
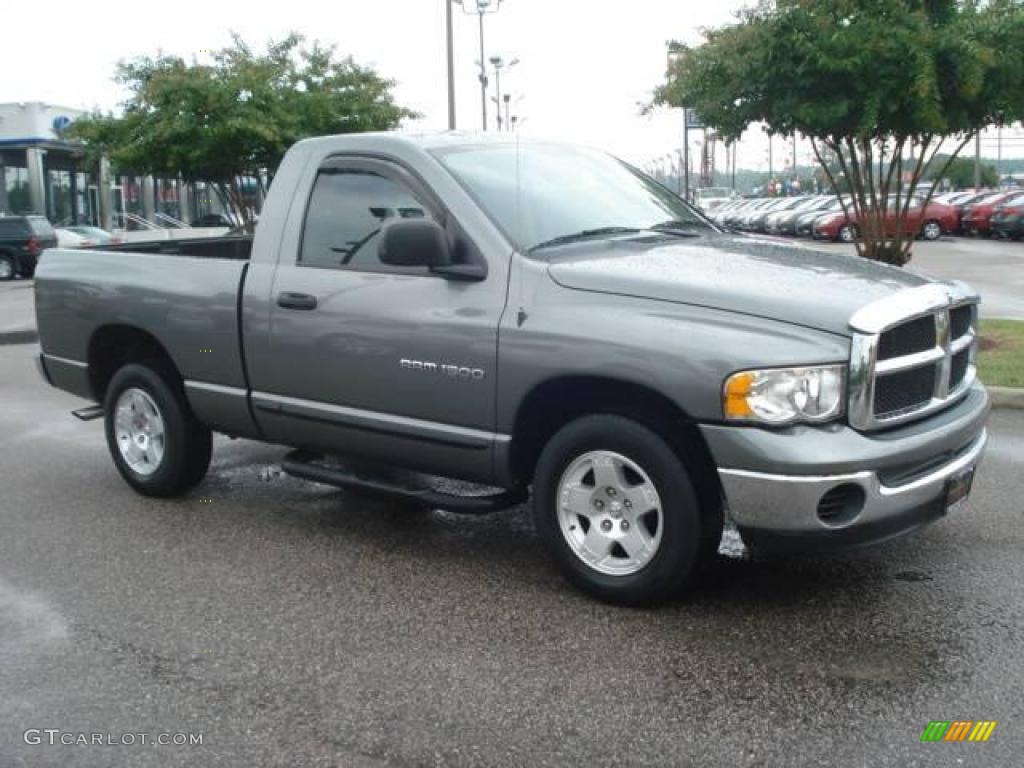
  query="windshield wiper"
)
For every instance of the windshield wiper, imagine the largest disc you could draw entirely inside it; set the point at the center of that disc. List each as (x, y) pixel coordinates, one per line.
(677, 227)
(584, 234)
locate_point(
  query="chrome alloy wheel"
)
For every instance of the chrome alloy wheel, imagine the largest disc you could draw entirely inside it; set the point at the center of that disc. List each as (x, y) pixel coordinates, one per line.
(932, 230)
(609, 513)
(139, 429)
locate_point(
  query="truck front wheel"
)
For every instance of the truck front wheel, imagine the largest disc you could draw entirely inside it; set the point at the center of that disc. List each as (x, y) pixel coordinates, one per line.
(156, 443)
(617, 509)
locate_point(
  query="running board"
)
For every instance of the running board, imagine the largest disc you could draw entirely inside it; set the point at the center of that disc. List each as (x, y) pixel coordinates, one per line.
(91, 413)
(303, 465)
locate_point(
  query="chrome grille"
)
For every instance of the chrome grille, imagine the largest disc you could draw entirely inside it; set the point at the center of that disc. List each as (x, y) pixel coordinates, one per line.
(915, 336)
(904, 391)
(912, 354)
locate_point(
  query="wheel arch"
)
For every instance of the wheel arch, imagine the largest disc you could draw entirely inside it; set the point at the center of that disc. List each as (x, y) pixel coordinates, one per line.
(113, 346)
(555, 402)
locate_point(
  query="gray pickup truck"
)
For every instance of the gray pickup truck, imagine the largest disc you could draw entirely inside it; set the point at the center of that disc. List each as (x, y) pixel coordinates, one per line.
(525, 314)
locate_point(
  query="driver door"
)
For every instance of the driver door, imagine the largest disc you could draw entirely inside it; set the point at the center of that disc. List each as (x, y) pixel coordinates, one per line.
(374, 359)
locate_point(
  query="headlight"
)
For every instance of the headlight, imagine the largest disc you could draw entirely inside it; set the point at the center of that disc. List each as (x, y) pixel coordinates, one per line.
(785, 395)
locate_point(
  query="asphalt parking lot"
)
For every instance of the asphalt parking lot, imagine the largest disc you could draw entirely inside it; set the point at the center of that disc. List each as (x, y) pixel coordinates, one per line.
(295, 625)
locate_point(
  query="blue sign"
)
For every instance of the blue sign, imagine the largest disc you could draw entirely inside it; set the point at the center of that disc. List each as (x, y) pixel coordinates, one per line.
(60, 123)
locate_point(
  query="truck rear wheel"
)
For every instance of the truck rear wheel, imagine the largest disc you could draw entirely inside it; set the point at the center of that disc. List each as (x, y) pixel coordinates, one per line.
(156, 443)
(615, 506)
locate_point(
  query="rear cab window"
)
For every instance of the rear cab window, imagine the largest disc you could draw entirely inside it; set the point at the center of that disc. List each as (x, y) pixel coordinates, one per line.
(347, 210)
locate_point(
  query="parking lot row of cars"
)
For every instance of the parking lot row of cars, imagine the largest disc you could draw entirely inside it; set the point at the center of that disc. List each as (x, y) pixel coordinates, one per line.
(978, 213)
(24, 238)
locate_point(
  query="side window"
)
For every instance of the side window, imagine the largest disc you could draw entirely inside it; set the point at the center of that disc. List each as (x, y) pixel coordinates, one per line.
(346, 212)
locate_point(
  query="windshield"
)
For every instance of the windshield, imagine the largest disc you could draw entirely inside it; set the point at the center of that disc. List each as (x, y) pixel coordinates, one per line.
(563, 191)
(995, 198)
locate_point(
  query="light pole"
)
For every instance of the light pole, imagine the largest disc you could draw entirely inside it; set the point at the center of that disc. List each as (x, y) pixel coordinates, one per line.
(451, 63)
(480, 8)
(499, 64)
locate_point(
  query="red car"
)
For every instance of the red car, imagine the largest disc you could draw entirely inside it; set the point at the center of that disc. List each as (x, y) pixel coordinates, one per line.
(978, 217)
(929, 222)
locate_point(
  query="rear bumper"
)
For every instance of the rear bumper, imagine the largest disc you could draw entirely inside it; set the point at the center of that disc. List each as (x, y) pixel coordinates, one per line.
(70, 375)
(890, 482)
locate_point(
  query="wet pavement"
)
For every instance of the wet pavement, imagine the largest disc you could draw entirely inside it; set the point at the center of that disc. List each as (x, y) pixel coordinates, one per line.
(296, 625)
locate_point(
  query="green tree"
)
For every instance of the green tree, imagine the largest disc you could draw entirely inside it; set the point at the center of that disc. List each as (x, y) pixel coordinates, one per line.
(880, 86)
(231, 119)
(960, 172)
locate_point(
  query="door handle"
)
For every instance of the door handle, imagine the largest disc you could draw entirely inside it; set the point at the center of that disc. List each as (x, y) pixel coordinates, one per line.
(301, 301)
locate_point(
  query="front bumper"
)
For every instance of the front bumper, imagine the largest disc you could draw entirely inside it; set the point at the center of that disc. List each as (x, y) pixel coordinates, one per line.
(894, 481)
(1009, 227)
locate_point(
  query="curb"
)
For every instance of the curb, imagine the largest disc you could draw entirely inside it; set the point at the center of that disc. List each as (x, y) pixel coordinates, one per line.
(1007, 397)
(20, 336)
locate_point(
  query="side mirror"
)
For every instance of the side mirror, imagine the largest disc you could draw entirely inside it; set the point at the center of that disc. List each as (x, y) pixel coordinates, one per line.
(414, 243)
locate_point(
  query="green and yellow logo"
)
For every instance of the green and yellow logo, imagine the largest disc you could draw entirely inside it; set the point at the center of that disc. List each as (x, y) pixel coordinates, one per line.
(958, 730)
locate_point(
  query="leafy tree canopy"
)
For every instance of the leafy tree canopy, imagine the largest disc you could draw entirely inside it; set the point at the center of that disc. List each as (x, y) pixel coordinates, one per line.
(960, 173)
(220, 121)
(877, 83)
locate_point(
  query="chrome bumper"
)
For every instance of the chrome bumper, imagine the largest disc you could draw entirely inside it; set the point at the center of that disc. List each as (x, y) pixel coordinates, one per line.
(788, 504)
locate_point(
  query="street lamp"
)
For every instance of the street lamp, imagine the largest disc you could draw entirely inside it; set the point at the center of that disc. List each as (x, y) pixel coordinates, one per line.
(481, 7)
(499, 64)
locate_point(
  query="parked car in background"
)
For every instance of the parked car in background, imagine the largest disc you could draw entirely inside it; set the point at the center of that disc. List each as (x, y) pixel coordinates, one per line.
(1008, 218)
(759, 223)
(95, 236)
(977, 220)
(710, 198)
(804, 225)
(68, 239)
(751, 220)
(963, 202)
(926, 221)
(22, 239)
(786, 222)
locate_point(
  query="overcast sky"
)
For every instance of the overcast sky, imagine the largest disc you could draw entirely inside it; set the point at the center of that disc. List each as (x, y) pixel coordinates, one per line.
(585, 65)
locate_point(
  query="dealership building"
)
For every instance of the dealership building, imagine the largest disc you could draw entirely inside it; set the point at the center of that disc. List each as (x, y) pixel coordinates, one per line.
(42, 172)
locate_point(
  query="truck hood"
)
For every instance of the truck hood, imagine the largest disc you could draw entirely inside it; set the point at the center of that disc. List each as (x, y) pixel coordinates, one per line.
(749, 275)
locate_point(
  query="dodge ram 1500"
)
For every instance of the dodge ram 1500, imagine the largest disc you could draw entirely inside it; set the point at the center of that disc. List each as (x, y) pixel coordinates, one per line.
(530, 315)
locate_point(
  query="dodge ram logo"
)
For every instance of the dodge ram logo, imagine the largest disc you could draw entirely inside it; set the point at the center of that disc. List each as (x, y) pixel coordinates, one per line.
(451, 371)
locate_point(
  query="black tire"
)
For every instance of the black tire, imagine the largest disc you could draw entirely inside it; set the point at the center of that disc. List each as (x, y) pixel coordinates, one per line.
(848, 233)
(682, 543)
(8, 267)
(187, 443)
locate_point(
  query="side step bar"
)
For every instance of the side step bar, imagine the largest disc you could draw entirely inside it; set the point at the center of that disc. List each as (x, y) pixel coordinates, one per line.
(303, 465)
(89, 414)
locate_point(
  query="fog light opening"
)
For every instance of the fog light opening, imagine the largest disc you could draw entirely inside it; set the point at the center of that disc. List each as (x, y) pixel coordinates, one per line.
(841, 505)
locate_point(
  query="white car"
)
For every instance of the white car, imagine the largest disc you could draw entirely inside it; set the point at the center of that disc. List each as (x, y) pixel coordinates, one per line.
(68, 239)
(710, 198)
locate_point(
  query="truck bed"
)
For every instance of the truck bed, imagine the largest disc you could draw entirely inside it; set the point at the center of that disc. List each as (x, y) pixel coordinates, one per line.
(185, 294)
(234, 247)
